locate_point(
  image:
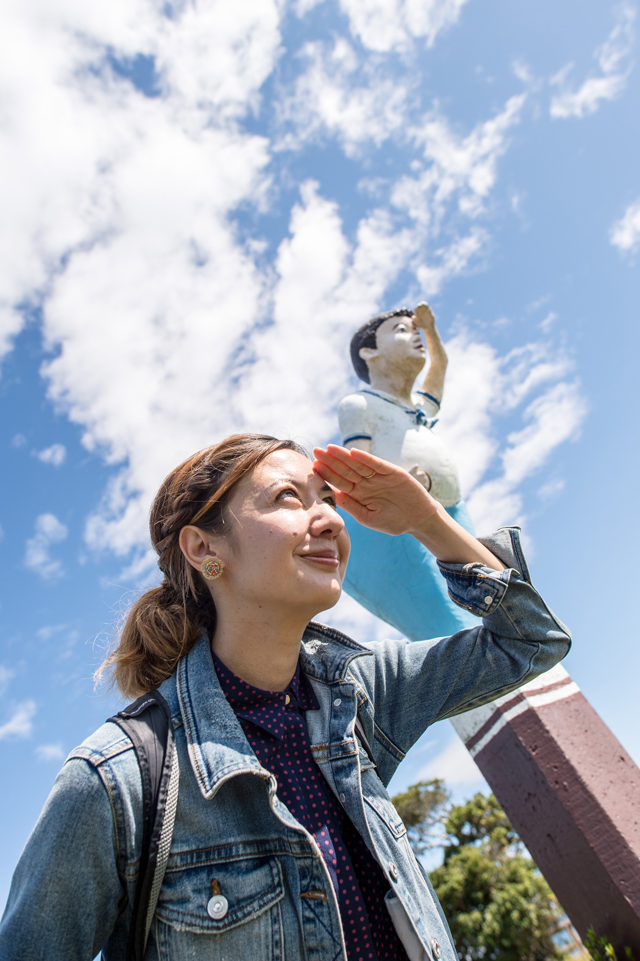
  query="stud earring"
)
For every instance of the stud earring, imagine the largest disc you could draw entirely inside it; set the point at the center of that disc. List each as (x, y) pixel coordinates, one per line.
(212, 568)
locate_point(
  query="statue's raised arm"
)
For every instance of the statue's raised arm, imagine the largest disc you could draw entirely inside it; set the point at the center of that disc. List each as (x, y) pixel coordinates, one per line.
(433, 384)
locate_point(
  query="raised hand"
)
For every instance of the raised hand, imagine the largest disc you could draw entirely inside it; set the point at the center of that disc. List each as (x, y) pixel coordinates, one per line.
(424, 317)
(378, 494)
(388, 499)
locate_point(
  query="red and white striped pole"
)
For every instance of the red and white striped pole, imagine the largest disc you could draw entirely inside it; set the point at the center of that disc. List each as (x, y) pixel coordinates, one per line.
(572, 793)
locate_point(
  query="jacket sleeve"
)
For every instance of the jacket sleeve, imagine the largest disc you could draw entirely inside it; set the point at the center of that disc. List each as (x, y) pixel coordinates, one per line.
(407, 686)
(67, 891)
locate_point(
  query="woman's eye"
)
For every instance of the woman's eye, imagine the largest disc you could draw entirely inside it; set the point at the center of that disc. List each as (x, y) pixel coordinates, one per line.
(289, 492)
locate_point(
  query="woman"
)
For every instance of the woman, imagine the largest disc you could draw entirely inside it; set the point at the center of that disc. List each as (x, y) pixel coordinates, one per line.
(281, 813)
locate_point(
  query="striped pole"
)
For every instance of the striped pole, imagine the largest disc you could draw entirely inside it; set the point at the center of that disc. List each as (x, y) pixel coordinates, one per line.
(572, 793)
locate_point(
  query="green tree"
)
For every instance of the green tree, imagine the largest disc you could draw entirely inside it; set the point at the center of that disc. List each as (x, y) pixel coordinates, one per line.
(421, 807)
(497, 903)
(601, 949)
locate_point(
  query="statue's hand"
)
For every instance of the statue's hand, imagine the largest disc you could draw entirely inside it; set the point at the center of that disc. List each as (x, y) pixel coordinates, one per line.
(378, 494)
(424, 317)
(421, 475)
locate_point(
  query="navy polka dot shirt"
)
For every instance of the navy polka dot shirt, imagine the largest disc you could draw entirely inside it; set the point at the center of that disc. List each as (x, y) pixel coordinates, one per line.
(275, 726)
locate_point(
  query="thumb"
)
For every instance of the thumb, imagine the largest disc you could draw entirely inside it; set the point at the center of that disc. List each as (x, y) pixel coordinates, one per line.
(353, 507)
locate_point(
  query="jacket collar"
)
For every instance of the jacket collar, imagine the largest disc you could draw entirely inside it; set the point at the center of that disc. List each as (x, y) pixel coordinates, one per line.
(216, 744)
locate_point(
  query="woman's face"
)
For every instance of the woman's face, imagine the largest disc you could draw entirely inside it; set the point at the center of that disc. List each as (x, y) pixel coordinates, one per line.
(288, 547)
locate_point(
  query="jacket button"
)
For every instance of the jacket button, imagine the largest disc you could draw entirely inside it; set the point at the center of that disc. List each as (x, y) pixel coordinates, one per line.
(436, 948)
(337, 702)
(393, 871)
(488, 600)
(217, 907)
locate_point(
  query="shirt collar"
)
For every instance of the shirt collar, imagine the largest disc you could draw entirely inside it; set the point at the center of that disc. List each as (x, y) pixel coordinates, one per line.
(420, 417)
(217, 745)
(245, 697)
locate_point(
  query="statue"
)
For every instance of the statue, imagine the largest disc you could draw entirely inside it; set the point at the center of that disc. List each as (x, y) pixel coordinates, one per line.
(567, 785)
(391, 421)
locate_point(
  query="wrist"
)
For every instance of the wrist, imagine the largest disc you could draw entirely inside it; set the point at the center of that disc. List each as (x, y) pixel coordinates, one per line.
(429, 521)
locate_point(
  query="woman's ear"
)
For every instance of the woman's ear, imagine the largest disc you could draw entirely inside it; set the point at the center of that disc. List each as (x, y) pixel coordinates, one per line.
(196, 545)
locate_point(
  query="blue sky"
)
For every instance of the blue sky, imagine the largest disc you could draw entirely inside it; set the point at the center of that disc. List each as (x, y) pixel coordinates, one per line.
(200, 203)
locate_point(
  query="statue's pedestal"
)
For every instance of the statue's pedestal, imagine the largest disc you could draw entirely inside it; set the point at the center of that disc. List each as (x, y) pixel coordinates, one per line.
(572, 793)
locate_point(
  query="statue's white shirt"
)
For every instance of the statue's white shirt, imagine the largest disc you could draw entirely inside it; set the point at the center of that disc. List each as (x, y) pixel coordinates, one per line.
(402, 435)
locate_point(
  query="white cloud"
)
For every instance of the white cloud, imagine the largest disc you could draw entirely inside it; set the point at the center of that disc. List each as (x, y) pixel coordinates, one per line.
(20, 724)
(335, 95)
(48, 631)
(324, 289)
(456, 168)
(169, 331)
(452, 260)
(625, 233)
(555, 417)
(614, 67)
(481, 386)
(386, 25)
(551, 489)
(53, 455)
(455, 766)
(162, 170)
(48, 531)
(356, 621)
(6, 674)
(49, 752)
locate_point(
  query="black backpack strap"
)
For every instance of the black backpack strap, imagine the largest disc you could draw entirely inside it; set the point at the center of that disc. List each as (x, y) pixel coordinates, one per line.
(364, 742)
(147, 723)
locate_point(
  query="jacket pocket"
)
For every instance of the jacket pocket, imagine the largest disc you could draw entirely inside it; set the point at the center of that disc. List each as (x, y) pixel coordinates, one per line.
(246, 911)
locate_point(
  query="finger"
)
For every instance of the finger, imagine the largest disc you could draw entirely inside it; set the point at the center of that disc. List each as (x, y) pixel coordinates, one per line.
(337, 481)
(362, 459)
(333, 457)
(361, 513)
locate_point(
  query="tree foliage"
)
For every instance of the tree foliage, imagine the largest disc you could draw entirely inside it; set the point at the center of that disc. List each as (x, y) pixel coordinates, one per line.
(480, 820)
(420, 807)
(497, 903)
(601, 949)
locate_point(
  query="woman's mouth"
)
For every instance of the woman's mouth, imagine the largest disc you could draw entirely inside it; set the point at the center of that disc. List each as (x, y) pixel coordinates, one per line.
(324, 558)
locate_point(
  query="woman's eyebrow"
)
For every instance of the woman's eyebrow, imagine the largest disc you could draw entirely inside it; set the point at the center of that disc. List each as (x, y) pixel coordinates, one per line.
(284, 479)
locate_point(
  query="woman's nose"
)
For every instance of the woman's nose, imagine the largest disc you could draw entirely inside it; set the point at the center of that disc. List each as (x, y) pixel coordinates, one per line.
(326, 521)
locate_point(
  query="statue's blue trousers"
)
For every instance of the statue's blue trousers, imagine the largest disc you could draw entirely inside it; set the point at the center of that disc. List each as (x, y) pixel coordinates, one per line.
(397, 579)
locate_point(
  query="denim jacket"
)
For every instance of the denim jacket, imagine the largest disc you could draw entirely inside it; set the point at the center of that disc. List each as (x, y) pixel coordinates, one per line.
(76, 878)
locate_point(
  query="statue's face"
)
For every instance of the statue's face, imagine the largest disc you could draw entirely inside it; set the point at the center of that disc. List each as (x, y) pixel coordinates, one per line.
(398, 341)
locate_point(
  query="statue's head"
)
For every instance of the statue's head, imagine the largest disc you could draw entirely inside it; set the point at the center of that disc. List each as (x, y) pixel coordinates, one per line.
(388, 337)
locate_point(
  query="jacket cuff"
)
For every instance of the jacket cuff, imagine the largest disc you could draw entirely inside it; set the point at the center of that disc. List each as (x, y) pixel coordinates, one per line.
(506, 544)
(480, 589)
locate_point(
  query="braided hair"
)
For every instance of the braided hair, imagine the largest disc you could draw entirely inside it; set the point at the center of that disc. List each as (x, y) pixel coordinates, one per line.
(163, 624)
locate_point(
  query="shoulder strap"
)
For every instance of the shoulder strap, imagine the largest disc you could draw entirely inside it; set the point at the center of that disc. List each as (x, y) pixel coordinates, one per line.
(364, 742)
(147, 723)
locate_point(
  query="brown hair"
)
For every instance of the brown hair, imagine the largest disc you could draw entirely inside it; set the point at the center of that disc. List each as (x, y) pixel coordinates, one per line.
(163, 624)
